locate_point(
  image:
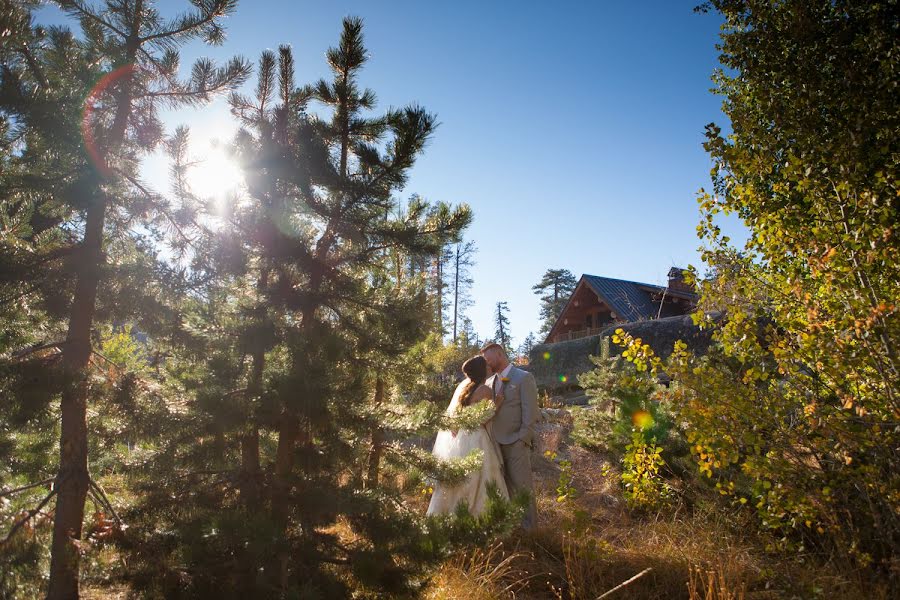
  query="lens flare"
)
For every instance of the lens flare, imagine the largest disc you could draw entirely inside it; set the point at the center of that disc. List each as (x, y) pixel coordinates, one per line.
(546, 356)
(642, 419)
(94, 101)
(563, 379)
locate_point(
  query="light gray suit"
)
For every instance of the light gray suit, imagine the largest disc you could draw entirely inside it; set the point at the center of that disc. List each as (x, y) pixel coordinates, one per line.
(513, 429)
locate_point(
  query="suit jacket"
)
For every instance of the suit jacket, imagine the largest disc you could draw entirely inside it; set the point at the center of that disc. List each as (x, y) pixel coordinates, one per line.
(518, 413)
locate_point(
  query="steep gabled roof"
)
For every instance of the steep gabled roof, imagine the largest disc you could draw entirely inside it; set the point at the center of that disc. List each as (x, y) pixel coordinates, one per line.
(630, 300)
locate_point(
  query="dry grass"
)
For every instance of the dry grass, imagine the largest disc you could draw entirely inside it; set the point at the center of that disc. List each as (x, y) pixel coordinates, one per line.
(119, 592)
(713, 584)
(697, 554)
(481, 575)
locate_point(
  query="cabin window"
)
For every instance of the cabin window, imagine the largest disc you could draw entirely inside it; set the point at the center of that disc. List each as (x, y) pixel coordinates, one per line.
(589, 321)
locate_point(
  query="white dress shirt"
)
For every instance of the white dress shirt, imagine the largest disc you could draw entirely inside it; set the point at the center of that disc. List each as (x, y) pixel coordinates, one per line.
(498, 379)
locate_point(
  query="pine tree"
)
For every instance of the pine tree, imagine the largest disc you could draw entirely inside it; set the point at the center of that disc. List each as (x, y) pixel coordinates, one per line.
(28, 326)
(446, 280)
(501, 326)
(341, 313)
(91, 186)
(527, 345)
(390, 341)
(351, 217)
(467, 334)
(336, 300)
(463, 261)
(441, 262)
(554, 290)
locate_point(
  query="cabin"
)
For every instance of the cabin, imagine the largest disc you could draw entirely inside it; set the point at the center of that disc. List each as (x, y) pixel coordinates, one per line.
(599, 302)
(659, 315)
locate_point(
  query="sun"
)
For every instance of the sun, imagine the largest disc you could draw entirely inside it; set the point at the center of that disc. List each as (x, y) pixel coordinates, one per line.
(213, 174)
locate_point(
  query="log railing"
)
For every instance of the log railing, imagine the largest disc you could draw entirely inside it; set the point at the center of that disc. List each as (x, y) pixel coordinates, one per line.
(575, 335)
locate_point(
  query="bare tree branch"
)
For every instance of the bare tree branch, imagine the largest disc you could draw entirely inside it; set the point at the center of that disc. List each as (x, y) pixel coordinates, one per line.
(96, 487)
(28, 517)
(26, 487)
(624, 583)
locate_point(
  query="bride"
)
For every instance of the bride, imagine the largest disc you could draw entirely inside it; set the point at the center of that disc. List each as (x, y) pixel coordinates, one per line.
(455, 445)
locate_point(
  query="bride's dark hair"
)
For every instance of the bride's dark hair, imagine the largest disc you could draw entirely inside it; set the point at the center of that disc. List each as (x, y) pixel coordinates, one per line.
(476, 370)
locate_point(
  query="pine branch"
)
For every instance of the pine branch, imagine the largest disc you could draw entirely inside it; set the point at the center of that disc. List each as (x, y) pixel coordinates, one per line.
(34, 66)
(26, 487)
(334, 561)
(28, 517)
(188, 24)
(154, 198)
(76, 8)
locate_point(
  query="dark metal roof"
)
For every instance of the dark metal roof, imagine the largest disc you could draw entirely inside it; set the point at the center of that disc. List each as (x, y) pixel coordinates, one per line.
(629, 299)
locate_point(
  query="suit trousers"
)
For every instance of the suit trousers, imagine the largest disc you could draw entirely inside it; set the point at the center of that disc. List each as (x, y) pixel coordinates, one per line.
(517, 472)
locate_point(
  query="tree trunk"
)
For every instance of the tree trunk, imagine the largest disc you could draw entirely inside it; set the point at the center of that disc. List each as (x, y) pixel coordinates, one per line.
(439, 284)
(250, 466)
(288, 434)
(376, 440)
(250, 480)
(73, 479)
(250, 470)
(289, 428)
(456, 295)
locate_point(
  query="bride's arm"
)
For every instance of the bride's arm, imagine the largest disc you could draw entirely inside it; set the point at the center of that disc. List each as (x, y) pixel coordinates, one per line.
(483, 393)
(454, 404)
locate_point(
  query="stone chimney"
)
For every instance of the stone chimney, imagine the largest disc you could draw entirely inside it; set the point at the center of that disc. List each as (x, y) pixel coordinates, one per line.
(676, 280)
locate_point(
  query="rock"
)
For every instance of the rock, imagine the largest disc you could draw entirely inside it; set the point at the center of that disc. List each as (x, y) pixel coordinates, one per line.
(579, 399)
(556, 415)
(549, 437)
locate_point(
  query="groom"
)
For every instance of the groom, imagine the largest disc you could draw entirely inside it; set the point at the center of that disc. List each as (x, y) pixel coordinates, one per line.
(513, 425)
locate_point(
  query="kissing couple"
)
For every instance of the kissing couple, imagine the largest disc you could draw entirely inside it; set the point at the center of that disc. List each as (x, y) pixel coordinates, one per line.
(505, 438)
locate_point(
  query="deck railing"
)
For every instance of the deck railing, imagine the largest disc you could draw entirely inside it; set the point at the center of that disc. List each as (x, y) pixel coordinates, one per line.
(575, 335)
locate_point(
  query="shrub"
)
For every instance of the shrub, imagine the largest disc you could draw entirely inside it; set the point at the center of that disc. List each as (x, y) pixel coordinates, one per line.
(643, 487)
(622, 397)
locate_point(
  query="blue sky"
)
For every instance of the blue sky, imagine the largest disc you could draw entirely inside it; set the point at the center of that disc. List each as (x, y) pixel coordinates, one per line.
(573, 129)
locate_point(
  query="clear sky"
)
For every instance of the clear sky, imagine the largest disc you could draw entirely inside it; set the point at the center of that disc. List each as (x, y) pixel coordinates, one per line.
(573, 129)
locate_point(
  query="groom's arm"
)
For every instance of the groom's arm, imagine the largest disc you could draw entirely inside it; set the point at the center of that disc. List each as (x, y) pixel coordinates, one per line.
(530, 408)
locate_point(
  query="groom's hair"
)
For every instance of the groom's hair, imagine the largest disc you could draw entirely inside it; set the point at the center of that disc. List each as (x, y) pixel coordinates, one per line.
(492, 346)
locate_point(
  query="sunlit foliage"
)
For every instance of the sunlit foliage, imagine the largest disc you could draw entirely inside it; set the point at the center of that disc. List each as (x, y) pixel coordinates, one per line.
(803, 392)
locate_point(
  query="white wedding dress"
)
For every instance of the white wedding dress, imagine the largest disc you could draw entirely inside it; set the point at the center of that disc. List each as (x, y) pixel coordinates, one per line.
(473, 490)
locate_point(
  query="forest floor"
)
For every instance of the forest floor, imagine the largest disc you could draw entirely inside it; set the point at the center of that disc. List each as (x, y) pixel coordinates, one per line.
(588, 545)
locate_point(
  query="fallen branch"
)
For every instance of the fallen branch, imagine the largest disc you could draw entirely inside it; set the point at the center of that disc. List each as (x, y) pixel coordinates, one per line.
(98, 489)
(36, 348)
(199, 473)
(624, 583)
(28, 517)
(99, 504)
(108, 360)
(26, 487)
